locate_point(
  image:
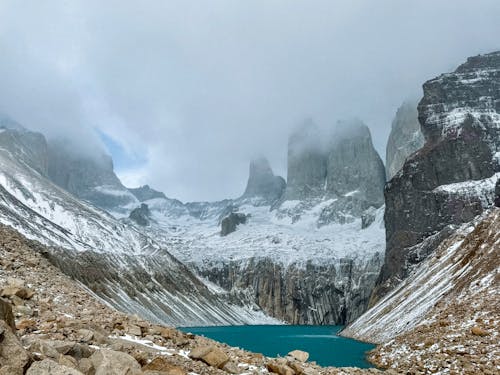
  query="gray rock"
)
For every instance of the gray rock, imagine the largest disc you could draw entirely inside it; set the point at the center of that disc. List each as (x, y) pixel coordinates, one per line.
(145, 193)
(299, 355)
(89, 177)
(405, 138)
(12, 353)
(459, 119)
(306, 163)
(368, 217)
(140, 215)
(110, 362)
(6, 314)
(230, 222)
(353, 165)
(262, 183)
(49, 367)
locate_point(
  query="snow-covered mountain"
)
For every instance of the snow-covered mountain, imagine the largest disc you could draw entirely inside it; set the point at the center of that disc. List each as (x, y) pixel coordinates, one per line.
(306, 260)
(123, 266)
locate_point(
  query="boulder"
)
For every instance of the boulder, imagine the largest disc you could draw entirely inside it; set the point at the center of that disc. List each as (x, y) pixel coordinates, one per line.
(161, 364)
(6, 314)
(211, 355)
(21, 292)
(49, 367)
(230, 222)
(279, 368)
(299, 355)
(110, 362)
(478, 331)
(12, 353)
(86, 366)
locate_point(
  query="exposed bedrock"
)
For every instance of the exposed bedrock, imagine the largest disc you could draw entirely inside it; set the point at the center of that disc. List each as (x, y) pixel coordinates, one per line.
(405, 138)
(335, 293)
(452, 178)
(262, 183)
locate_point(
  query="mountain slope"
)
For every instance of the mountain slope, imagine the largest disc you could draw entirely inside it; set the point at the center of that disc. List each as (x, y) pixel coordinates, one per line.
(123, 266)
(446, 315)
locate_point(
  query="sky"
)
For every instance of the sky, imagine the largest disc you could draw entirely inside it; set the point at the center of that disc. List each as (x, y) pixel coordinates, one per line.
(184, 93)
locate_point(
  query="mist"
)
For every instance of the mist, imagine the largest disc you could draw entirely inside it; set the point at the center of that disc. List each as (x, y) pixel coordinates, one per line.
(188, 92)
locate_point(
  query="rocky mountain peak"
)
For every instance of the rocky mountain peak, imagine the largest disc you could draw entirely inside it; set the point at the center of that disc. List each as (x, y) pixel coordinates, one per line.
(262, 182)
(405, 138)
(452, 178)
(145, 193)
(89, 177)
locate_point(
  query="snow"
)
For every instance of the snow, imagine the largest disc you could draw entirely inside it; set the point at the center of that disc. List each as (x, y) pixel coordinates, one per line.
(266, 235)
(483, 189)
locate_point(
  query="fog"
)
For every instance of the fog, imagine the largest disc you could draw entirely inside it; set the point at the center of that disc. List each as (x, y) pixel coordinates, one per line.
(185, 93)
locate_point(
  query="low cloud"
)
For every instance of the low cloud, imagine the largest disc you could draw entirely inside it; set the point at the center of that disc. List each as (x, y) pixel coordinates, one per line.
(196, 89)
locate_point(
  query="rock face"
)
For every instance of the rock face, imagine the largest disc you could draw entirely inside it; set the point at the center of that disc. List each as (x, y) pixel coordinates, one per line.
(306, 163)
(405, 138)
(333, 294)
(452, 178)
(140, 215)
(353, 166)
(230, 222)
(88, 177)
(262, 183)
(345, 170)
(145, 193)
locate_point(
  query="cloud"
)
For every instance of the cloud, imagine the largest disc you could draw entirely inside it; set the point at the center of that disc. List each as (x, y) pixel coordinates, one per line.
(196, 89)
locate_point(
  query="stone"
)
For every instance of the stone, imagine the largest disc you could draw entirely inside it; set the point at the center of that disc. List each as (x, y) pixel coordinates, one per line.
(68, 361)
(85, 335)
(280, 369)
(21, 292)
(231, 367)
(478, 331)
(134, 330)
(49, 367)
(299, 355)
(12, 353)
(44, 348)
(86, 366)
(162, 365)
(110, 362)
(6, 314)
(211, 355)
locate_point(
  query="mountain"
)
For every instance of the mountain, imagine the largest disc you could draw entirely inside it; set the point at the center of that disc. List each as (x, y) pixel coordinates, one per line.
(88, 177)
(452, 178)
(119, 263)
(304, 261)
(262, 183)
(405, 138)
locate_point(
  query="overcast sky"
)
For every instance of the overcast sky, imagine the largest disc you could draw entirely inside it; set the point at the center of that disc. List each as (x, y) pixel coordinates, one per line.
(184, 93)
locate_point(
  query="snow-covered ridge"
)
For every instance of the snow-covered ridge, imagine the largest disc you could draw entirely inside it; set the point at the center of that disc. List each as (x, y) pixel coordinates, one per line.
(483, 189)
(408, 304)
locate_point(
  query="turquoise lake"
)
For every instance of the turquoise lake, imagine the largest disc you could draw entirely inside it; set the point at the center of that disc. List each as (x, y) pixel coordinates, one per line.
(321, 342)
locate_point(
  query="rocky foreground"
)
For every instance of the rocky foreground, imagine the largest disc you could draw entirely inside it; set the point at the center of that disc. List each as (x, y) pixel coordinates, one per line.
(50, 324)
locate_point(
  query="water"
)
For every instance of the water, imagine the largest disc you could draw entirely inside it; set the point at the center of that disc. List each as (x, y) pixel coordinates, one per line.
(321, 342)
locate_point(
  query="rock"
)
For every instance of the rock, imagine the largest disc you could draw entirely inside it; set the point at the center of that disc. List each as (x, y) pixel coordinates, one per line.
(459, 120)
(49, 367)
(262, 183)
(306, 170)
(211, 355)
(280, 369)
(86, 366)
(230, 222)
(12, 353)
(145, 193)
(405, 138)
(299, 355)
(134, 330)
(368, 217)
(231, 367)
(6, 314)
(44, 348)
(110, 362)
(68, 361)
(162, 365)
(85, 335)
(140, 215)
(478, 331)
(20, 292)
